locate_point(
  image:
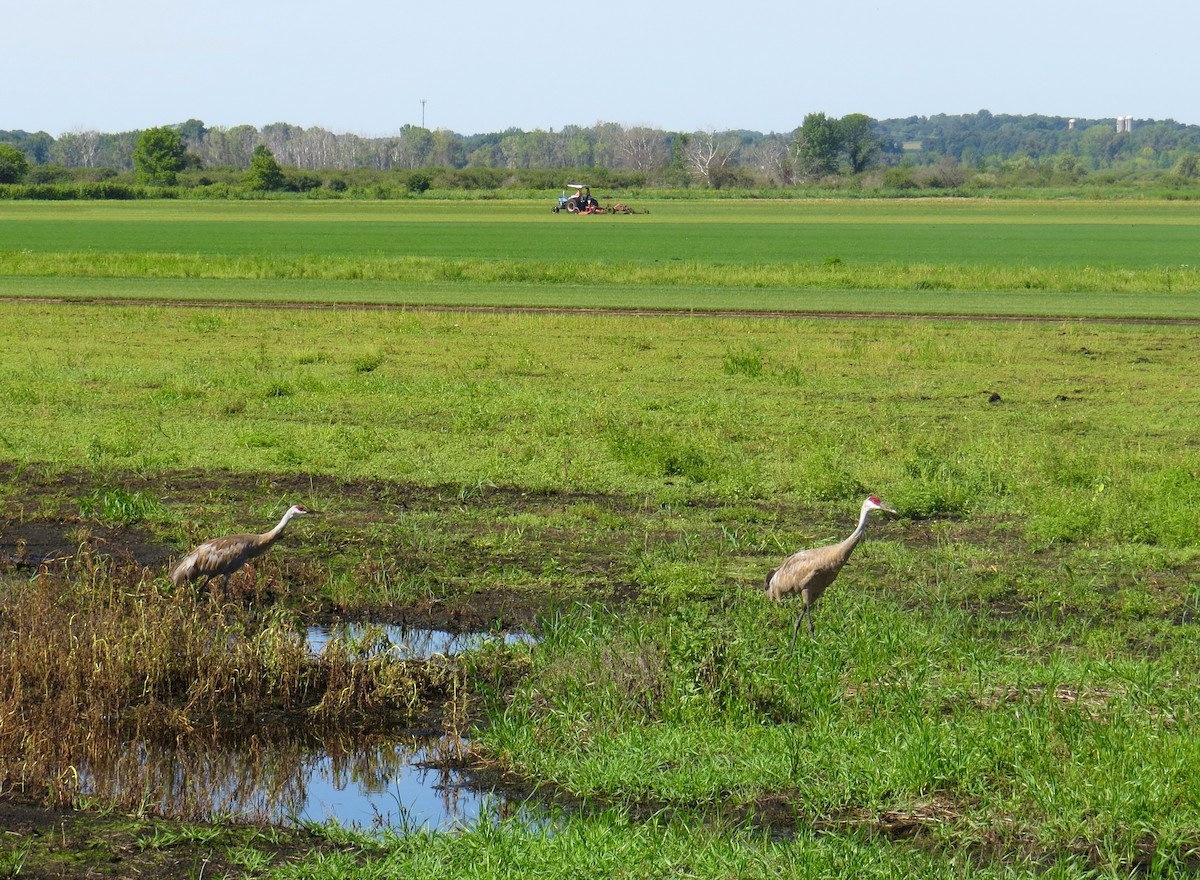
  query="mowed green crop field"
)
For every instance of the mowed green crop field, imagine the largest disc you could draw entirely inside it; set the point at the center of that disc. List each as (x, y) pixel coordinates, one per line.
(1130, 235)
(930, 256)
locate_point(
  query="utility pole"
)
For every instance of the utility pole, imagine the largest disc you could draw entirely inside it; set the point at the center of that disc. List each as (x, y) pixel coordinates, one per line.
(422, 113)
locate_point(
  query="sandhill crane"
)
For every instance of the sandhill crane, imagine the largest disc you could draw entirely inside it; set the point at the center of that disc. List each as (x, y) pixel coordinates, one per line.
(811, 571)
(223, 556)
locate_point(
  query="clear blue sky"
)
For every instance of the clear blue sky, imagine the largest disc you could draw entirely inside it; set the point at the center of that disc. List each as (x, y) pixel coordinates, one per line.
(363, 66)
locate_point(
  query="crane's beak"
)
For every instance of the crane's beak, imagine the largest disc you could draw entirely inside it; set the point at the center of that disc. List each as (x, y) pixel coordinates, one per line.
(890, 510)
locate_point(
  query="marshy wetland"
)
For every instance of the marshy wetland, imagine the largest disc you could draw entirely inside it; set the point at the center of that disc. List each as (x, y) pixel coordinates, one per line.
(1003, 681)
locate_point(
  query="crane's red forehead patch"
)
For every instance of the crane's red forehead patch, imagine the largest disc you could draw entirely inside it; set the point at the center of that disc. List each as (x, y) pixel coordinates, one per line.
(874, 500)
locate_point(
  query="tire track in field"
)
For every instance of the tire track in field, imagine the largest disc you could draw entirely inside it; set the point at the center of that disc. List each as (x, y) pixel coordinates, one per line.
(777, 314)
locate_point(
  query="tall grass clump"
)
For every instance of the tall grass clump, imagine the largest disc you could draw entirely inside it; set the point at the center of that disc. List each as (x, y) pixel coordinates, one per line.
(660, 453)
(115, 506)
(99, 656)
(938, 482)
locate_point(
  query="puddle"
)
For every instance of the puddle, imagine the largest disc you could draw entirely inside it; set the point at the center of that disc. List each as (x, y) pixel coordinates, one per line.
(376, 785)
(284, 776)
(409, 643)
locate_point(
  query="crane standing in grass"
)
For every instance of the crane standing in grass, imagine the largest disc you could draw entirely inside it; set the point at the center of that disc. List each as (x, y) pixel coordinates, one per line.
(221, 557)
(811, 571)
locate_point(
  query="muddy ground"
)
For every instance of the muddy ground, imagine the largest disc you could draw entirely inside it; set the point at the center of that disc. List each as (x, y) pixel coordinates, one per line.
(65, 844)
(41, 526)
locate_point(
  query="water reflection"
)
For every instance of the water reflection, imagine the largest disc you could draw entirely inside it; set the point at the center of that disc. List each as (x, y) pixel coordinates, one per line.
(286, 774)
(397, 783)
(410, 643)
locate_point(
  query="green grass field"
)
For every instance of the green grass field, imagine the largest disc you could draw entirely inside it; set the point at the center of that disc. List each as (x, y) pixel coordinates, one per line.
(1133, 235)
(1004, 679)
(922, 257)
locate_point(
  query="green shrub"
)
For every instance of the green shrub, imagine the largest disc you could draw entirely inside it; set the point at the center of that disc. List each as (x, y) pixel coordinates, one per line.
(901, 178)
(105, 190)
(13, 164)
(301, 181)
(418, 181)
(264, 174)
(47, 174)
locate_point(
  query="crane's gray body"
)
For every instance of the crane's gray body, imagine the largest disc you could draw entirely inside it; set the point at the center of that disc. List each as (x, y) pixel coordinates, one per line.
(810, 572)
(221, 557)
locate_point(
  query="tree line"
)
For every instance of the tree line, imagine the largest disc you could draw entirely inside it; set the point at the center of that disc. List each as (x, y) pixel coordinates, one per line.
(938, 150)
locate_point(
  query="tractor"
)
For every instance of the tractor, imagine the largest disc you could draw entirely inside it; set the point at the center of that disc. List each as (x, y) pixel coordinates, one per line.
(577, 198)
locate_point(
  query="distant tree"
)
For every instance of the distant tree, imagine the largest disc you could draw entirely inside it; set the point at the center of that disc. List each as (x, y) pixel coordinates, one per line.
(1101, 145)
(708, 156)
(191, 131)
(158, 156)
(577, 148)
(230, 147)
(642, 148)
(947, 175)
(416, 145)
(447, 150)
(277, 136)
(264, 174)
(1060, 150)
(1069, 168)
(78, 149)
(1188, 166)
(771, 159)
(859, 141)
(13, 164)
(36, 147)
(818, 143)
(605, 144)
(377, 153)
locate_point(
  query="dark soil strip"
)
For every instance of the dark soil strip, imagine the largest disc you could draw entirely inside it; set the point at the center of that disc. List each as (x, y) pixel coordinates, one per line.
(616, 311)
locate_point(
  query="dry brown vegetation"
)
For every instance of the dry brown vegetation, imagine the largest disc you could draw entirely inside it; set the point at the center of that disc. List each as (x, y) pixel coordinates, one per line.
(97, 656)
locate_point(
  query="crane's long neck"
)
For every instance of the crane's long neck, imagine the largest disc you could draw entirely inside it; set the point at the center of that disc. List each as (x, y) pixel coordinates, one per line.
(851, 542)
(268, 538)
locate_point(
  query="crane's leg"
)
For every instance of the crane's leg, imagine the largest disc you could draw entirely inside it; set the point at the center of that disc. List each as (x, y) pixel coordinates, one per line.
(796, 628)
